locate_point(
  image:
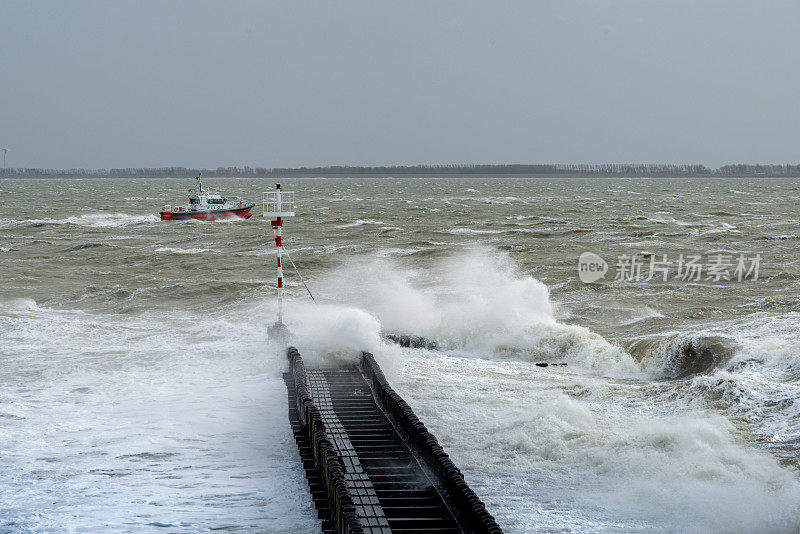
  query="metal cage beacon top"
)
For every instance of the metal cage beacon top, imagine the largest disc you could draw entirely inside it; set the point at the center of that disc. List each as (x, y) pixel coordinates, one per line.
(278, 203)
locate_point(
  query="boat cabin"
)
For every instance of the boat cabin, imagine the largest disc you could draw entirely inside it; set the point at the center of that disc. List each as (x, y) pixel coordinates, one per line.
(207, 201)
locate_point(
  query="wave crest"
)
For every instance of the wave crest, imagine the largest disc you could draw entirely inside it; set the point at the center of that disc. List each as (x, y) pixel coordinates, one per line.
(479, 305)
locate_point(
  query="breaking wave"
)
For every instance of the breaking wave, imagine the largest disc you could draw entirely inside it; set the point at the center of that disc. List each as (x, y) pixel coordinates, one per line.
(360, 222)
(331, 334)
(176, 250)
(472, 231)
(654, 467)
(682, 355)
(476, 303)
(759, 382)
(94, 220)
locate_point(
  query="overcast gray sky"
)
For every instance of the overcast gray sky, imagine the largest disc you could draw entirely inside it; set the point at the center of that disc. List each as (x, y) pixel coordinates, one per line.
(115, 84)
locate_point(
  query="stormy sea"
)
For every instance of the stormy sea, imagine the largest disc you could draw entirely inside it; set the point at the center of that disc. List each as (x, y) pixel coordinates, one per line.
(140, 391)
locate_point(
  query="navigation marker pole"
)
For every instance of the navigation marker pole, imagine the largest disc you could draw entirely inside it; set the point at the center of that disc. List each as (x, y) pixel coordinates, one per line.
(276, 230)
(278, 204)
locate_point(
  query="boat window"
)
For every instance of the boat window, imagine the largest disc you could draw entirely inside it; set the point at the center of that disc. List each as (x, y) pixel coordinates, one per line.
(192, 201)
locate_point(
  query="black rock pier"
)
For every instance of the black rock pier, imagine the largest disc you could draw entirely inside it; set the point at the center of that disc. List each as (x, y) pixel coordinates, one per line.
(371, 464)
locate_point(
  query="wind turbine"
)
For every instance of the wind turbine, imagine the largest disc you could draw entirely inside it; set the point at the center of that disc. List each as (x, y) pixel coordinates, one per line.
(5, 151)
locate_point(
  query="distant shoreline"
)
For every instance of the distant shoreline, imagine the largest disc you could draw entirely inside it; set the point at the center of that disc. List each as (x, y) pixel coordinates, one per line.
(425, 171)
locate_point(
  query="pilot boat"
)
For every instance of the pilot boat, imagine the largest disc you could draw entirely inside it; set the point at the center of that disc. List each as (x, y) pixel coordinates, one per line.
(207, 206)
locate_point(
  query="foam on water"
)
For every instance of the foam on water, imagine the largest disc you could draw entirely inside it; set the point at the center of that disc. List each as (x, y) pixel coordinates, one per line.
(176, 250)
(479, 304)
(760, 383)
(360, 222)
(330, 334)
(473, 231)
(123, 423)
(95, 220)
(549, 448)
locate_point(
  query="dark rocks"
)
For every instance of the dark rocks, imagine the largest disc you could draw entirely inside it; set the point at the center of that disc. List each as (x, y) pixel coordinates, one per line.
(414, 342)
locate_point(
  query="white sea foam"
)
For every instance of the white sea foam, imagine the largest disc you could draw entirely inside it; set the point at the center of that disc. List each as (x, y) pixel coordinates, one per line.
(473, 231)
(109, 220)
(18, 304)
(96, 220)
(760, 384)
(127, 422)
(666, 219)
(479, 305)
(723, 228)
(384, 252)
(329, 334)
(500, 200)
(175, 250)
(769, 339)
(548, 448)
(360, 222)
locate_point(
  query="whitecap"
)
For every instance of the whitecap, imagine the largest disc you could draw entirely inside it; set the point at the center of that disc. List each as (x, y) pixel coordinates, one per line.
(96, 220)
(175, 250)
(476, 231)
(360, 222)
(585, 452)
(511, 318)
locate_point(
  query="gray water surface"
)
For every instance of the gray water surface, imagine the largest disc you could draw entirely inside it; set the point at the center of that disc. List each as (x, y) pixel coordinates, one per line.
(140, 392)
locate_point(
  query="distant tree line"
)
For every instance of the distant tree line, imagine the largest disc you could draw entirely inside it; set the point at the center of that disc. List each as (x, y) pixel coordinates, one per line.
(614, 169)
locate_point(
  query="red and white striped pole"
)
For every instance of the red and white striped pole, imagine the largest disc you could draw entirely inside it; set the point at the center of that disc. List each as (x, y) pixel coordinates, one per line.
(278, 205)
(276, 230)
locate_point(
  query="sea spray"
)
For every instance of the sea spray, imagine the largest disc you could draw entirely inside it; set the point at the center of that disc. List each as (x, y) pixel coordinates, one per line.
(331, 334)
(475, 302)
(94, 220)
(110, 421)
(547, 448)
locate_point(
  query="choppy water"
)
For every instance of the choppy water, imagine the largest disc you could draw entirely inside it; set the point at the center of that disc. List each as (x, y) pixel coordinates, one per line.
(140, 392)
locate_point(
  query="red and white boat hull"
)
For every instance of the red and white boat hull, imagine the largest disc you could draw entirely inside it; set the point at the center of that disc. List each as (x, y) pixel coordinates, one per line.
(209, 215)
